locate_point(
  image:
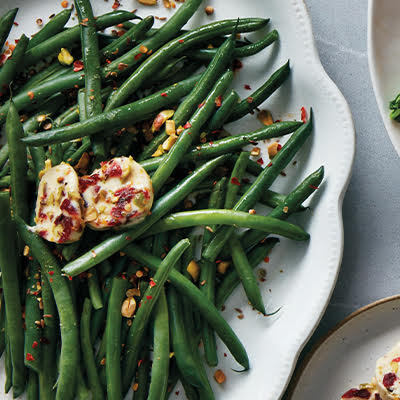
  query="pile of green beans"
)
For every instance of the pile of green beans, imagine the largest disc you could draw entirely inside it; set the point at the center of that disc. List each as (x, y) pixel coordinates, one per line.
(130, 307)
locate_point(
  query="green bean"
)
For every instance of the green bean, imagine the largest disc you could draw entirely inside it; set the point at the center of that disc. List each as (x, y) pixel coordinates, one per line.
(11, 290)
(232, 280)
(8, 366)
(207, 275)
(261, 94)
(94, 289)
(6, 23)
(52, 28)
(199, 301)
(87, 352)
(47, 73)
(129, 38)
(18, 163)
(173, 378)
(113, 338)
(5, 181)
(82, 392)
(224, 112)
(71, 35)
(68, 322)
(161, 341)
(239, 52)
(163, 35)
(47, 375)
(3, 155)
(228, 144)
(159, 374)
(32, 314)
(167, 72)
(2, 327)
(235, 180)
(263, 182)
(240, 219)
(150, 297)
(190, 391)
(69, 116)
(162, 206)
(13, 65)
(174, 48)
(246, 275)
(134, 112)
(32, 387)
(191, 132)
(91, 61)
(288, 206)
(143, 373)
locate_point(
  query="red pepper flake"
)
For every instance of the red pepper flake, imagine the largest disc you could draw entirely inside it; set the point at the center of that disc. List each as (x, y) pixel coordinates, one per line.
(218, 261)
(237, 64)
(16, 23)
(122, 66)
(200, 105)
(35, 344)
(235, 181)
(152, 283)
(266, 259)
(180, 40)
(316, 188)
(270, 164)
(225, 355)
(303, 114)
(177, 392)
(149, 297)
(163, 94)
(51, 280)
(29, 357)
(115, 5)
(138, 56)
(140, 363)
(78, 65)
(51, 273)
(187, 125)
(396, 359)
(31, 95)
(260, 161)
(279, 147)
(247, 87)
(218, 101)
(70, 277)
(249, 100)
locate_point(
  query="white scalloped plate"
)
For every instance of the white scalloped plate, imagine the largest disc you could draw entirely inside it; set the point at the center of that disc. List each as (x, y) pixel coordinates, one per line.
(346, 357)
(301, 276)
(383, 56)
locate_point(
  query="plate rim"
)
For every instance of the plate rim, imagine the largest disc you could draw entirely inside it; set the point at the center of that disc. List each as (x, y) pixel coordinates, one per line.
(320, 342)
(336, 96)
(383, 110)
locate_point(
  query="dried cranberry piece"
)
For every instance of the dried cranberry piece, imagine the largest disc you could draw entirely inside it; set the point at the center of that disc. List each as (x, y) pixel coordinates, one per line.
(389, 379)
(357, 393)
(68, 207)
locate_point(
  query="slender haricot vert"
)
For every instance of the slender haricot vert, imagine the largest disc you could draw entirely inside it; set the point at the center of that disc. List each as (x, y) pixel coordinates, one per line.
(6, 23)
(263, 182)
(52, 28)
(68, 323)
(131, 350)
(11, 293)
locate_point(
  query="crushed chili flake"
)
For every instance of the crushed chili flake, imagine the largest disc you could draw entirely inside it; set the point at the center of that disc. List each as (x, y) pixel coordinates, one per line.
(200, 105)
(149, 297)
(16, 23)
(163, 94)
(270, 164)
(31, 95)
(314, 187)
(152, 283)
(260, 161)
(247, 87)
(237, 64)
(122, 66)
(187, 125)
(35, 344)
(29, 357)
(115, 5)
(218, 101)
(235, 181)
(138, 56)
(250, 100)
(51, 273)
(303, 114)
(180, 40)
(78, 66)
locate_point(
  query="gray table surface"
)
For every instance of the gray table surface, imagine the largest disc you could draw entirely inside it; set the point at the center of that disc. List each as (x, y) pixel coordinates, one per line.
(371, 209)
